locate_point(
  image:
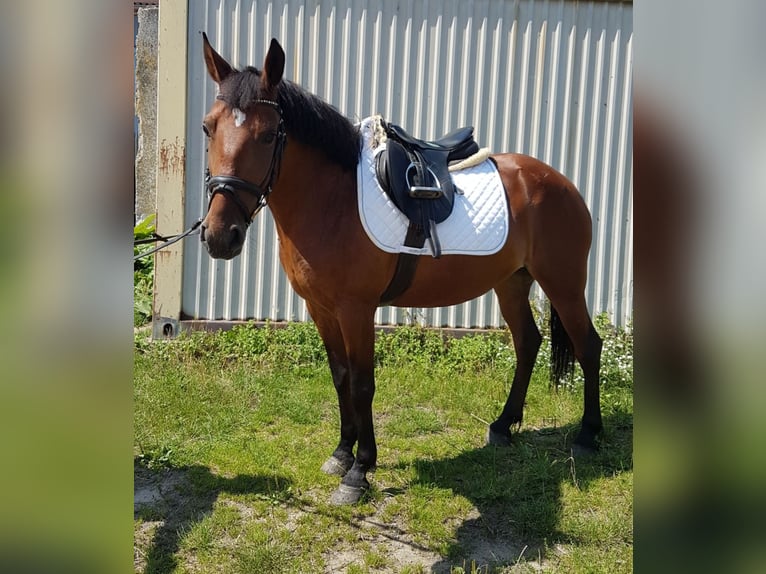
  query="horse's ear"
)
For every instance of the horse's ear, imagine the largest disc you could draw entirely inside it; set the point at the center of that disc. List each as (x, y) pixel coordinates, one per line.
(274, 66)
(217, 67)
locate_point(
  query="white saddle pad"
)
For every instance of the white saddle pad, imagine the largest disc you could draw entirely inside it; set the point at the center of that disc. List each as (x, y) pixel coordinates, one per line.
(478, 224)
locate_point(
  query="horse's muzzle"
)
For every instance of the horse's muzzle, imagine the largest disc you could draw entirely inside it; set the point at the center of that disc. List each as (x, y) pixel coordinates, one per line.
(223, 242)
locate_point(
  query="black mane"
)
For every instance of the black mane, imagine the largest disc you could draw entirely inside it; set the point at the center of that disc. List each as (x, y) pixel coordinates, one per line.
(307, 117)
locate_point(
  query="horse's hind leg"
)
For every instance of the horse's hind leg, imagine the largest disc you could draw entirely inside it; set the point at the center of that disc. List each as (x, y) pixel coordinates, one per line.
(513, 296)
(587, 349)
(342, 459)
(586, 344)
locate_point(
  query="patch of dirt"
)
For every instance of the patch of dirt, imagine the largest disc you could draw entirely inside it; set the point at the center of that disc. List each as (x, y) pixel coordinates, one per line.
(163, 505)
(157, 499)
(155, 489)
(484, 546)
(389, 540)
(400, 549)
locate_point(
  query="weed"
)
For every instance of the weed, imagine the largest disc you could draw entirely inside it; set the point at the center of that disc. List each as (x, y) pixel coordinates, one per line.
(143, 274)
(155, 457)
(408, 345)
(474, 353)
(374, 559)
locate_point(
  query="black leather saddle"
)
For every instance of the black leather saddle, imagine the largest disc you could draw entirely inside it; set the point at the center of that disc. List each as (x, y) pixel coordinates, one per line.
(415, 175)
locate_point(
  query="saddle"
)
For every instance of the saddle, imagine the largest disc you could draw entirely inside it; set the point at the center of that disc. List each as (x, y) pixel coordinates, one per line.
(415, 175)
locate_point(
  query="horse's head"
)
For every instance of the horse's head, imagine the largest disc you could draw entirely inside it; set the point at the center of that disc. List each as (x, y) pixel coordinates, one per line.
(246, 136)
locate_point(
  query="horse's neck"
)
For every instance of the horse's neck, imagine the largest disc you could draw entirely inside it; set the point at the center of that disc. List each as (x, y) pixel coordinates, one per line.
(310, 188)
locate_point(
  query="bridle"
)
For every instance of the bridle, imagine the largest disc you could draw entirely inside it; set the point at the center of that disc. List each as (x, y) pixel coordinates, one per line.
(232, 185)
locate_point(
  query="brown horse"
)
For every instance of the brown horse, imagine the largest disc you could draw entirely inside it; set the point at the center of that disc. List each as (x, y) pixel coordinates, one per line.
(311, 187)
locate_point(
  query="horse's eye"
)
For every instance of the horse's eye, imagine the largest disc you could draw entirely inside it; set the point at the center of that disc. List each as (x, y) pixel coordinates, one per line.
(269, 138)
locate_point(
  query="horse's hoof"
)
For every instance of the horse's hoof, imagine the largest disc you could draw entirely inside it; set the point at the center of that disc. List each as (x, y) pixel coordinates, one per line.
(498, 439)
(587, 442)
(335, 467)
(345, 495)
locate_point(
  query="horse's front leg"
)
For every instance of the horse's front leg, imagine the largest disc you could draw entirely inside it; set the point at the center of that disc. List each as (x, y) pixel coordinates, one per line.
(342, 459)
(359, 337)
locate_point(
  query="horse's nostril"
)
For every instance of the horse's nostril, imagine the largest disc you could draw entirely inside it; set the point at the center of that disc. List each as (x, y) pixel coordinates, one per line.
(202, 230)
(237, 235)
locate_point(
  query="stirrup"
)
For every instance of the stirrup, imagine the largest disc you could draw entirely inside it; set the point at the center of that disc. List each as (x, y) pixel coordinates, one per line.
(423, 191)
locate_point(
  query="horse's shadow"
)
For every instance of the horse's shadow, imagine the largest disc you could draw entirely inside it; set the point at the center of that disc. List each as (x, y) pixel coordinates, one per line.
(517, 491)
(170, 501)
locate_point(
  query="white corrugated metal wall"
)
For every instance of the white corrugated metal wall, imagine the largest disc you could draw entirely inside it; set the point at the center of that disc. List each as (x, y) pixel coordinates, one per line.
(549, 78)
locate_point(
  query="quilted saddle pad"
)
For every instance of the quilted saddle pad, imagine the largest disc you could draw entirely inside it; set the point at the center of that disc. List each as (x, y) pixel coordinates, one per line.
(478, 224)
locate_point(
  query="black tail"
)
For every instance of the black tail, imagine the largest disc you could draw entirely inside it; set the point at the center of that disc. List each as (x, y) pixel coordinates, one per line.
(562, 353)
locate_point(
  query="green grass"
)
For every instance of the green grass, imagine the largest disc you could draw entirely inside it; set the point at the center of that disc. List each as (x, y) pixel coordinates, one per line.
(231, 429)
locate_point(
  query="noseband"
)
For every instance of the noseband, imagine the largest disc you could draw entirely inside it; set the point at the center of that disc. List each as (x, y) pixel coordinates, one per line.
(232, 185)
